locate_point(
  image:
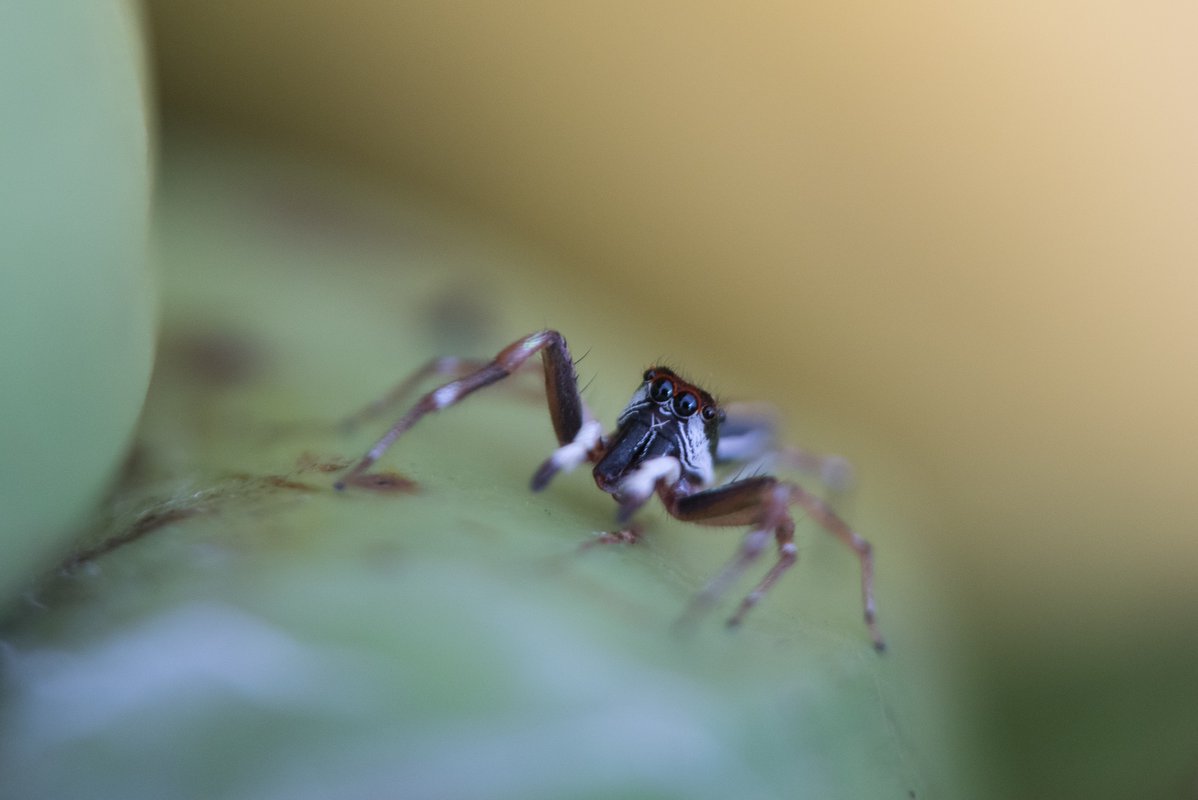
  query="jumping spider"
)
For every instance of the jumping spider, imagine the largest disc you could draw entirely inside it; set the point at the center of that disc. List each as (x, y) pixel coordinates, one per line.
(667, 441)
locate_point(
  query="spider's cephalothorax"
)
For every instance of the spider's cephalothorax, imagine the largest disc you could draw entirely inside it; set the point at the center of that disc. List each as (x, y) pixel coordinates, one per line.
(666, 417)
(666, 442)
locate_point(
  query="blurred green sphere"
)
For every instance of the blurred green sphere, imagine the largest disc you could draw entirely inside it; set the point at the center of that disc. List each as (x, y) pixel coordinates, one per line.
(76, 306)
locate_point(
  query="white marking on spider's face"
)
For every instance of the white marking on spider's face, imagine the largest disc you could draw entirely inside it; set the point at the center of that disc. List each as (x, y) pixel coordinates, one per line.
(639, 401)
(641, 482)
(690, 434)
(695, 449)
(569, 456)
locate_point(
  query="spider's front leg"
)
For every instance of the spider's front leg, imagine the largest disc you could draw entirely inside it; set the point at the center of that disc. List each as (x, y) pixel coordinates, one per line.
(566, 408)
(764, 502)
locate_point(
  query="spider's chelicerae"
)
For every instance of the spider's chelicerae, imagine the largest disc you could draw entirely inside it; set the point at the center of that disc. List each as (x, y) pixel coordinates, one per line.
(668, 441)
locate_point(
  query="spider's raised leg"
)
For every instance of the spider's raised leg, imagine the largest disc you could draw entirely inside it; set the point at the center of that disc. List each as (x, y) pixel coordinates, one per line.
(764, 503)
(442, 366)
(561, 388)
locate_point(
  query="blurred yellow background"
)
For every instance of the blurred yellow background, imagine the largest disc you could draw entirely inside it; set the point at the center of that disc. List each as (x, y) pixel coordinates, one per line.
(965, 231)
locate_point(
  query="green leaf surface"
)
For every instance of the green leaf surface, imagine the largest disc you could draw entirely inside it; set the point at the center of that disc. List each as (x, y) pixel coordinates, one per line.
(239, 629)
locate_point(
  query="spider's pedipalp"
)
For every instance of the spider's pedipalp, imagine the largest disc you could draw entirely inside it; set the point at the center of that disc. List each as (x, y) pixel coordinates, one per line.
(638, 486)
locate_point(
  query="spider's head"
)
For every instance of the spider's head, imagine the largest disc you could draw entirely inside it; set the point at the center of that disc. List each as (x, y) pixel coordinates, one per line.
(669, 397)
(667, 416)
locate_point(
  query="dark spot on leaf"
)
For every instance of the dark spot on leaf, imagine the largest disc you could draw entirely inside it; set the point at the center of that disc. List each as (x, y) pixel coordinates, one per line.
(215, 358)
(386, 482)
(283, 482)
(460, 316)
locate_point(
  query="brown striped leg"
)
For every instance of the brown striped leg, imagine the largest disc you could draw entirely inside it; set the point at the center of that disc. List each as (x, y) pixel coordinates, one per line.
(763, 502)
(754, 501)
(561, 389)
(819, 511)
(750, 550)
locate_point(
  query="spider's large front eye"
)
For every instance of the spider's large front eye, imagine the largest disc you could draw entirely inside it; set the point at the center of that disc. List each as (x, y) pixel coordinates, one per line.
(686, 404)
(661, 390)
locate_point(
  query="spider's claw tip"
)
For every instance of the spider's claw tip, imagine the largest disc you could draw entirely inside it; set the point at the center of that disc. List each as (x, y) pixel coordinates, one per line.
(339, 486)
(880, 646)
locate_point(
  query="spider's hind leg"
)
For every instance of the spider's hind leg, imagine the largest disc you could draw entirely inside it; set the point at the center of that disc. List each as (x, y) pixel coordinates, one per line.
(788, 554)
(760, 502)
(749, 436)
(764, 502)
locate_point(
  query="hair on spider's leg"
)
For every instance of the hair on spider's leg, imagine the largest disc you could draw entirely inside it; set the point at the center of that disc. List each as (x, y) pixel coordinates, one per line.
(561, 389)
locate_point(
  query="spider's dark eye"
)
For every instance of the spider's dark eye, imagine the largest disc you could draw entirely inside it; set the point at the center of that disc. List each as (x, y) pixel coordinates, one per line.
(686, 404)
(649, 375)
(661, 390)
(709, 413)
